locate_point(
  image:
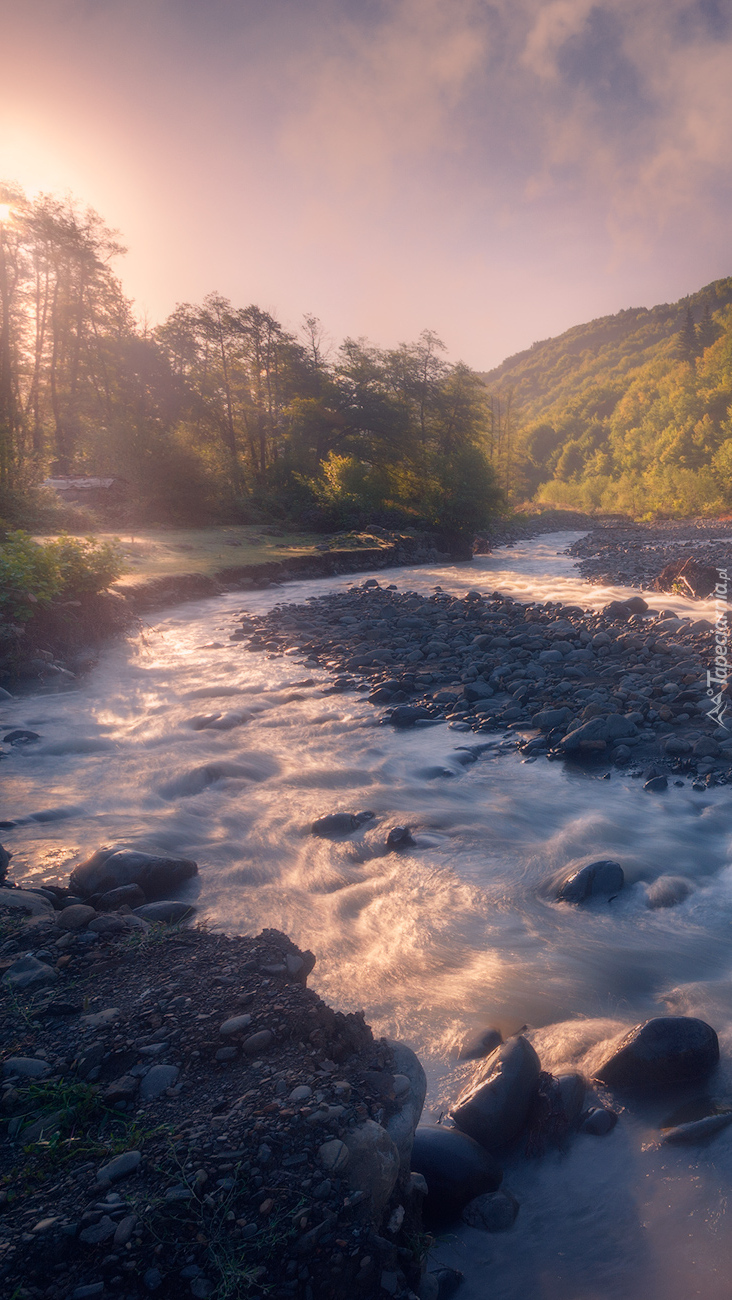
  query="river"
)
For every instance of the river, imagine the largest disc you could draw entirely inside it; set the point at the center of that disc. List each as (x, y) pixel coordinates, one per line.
(437, 943)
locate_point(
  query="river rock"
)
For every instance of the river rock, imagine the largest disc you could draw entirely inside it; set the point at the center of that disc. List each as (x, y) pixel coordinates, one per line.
(27, 1067)
(23, 900)
(157, 1080)
(29, 973)
(21, 737)
(334, 1156)
(455, 1167)
(5, 857)
(131, 895)
(598, 1121)
(602, 879)
(656, 784)
(107, 925)
(258, 1042)
(494, 1108)
(75, 917)
(373, 1164)
(410, 1087)
(591, 735)
(111, 868)
(698, 1130)
(476, 1049)
(400, 837)
(335, 824)
(548, 719)
(492, 1212)
(235, 1025)
(165, 912)
(474, 692)
(118, 1168)
(665, 1051)
(405, 715)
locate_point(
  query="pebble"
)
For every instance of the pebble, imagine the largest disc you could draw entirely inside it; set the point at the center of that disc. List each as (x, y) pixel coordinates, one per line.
(120, 1167)
(124, 1230)
(235, 1025)
(599, 1121)
(98, 1019)
(257, 1042)
(98, 1232)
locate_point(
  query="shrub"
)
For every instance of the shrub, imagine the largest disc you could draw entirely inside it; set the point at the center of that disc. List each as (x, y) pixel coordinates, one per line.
(34, 573)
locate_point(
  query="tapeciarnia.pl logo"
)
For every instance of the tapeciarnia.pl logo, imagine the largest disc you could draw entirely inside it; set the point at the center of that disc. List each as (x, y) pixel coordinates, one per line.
(719, 675)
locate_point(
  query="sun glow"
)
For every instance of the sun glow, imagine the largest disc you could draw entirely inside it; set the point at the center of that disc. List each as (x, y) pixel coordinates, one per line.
(4, 213)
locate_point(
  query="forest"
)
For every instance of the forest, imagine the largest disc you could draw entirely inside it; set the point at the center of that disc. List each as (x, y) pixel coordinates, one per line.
(629, 414)
(219, 414)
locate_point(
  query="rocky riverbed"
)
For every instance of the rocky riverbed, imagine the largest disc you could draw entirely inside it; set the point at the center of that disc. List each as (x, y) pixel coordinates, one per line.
(182, 1115)
(635, 554)
(625, 688)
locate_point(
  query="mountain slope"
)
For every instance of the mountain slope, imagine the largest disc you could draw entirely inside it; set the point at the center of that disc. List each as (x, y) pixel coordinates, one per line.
(629, 412)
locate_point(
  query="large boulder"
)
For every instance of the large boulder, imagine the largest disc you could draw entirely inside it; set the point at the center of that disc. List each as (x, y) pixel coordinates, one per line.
(373, 1164)
(455, 1168)
(603, 879)
(401, 1126)
(110, 868)
(494, 1108)
(662, 1052)
(22, 900)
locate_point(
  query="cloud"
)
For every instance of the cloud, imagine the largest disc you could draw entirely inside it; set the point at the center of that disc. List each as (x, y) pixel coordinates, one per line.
(384, 93)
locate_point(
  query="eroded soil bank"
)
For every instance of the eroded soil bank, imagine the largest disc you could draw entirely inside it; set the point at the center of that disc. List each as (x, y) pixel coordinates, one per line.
(217, 1095)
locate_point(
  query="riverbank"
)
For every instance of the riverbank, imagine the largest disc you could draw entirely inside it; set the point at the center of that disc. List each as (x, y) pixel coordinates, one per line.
(178, 1111)
(62, 639)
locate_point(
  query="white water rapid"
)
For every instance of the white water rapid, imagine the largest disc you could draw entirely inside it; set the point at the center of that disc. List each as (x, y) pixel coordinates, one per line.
(438, 942)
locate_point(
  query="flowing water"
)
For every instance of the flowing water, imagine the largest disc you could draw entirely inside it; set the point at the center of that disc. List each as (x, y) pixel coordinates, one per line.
(455, 935)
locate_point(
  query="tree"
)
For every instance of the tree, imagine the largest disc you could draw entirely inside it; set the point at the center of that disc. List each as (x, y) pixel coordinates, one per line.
(688, 342)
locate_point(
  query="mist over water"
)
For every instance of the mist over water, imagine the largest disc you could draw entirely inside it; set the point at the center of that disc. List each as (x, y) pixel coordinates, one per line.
(226, 757)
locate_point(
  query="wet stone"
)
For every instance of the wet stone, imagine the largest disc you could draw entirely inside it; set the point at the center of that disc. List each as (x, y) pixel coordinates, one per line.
(492, 1212)
(662, 1052)
(603, 879)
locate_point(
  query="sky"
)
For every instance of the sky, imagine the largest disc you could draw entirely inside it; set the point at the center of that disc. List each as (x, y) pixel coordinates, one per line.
(495, 172)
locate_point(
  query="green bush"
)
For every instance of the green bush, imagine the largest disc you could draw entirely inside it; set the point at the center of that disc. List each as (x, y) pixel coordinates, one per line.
(34, 573)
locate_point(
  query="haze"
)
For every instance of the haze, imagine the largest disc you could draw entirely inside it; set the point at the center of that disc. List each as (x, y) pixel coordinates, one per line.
(496, 172)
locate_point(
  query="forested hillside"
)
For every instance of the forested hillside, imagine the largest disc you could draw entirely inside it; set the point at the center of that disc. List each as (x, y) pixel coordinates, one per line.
(629, 413)
(220, 413)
